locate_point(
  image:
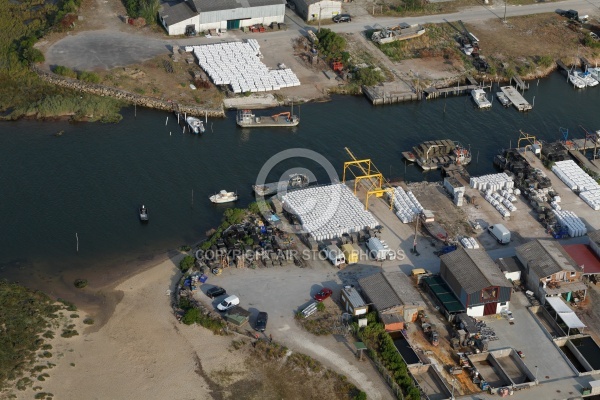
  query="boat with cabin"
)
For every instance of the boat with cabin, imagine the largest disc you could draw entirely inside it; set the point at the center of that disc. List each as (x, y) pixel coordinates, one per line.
(435, 154)
(223, 197)
(503, 99)
(587, 77)
(296, 181)
(576, 80)
(480, 98)
(195, 124)
(247, 119)
(143, 212)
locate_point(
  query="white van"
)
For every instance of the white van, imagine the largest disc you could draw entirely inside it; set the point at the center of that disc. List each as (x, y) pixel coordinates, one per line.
(335, 255)
(376, 249)
(229, 302)
(500, 232)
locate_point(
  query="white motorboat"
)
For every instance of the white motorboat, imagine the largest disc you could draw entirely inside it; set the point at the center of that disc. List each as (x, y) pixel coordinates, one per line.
(467, 49)
(143, 213)
(575, 80)
(480, 98)
(196, 125)
(587, 77)
(503, 99)
(224, 197)
(595, 72)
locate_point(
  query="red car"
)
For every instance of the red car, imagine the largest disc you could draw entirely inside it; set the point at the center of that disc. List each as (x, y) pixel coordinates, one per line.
(323, 294)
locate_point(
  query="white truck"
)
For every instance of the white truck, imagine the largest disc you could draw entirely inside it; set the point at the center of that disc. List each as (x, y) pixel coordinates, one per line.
(335, 255)
(500, 232)
(376, 249)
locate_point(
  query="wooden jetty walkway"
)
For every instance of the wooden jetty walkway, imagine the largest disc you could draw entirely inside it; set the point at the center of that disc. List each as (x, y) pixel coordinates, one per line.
(582, 144)
(562, 66)
(519, 84)
(516, 99)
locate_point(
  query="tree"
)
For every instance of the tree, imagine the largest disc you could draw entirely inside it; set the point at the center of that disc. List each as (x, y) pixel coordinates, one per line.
(186, 263)
(330, 43)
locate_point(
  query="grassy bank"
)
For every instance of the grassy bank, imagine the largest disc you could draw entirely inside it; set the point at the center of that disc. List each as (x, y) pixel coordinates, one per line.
(22, 93)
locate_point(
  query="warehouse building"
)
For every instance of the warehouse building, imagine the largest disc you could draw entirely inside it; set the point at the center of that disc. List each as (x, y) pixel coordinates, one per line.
(313, 10)
(477, 281)
(221, 15)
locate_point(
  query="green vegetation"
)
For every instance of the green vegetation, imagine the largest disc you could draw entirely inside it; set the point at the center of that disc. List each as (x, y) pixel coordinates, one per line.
(185, 247)
(88, 321)
(195, 316)
(186, 263)
(331, 44)
(24, 316)
(361, 396)
(368, 76)
(231, 216)
(545, 61)
(320, 306)
(147, 9)
(67, 333)
(590, 42)
(89, 77)
(80, 283)
(65, 71)
(381, 346)
(22, 92)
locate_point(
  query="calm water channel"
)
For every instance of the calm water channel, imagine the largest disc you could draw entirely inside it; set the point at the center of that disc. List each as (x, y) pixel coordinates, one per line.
(91, 179)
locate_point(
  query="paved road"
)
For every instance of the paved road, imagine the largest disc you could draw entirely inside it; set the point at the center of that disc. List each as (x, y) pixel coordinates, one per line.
(106, 49)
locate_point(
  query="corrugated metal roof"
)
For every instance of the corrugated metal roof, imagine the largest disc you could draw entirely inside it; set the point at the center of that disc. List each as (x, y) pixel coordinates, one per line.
(218, 5)
(594, 236)
(403, 286)
(317, 1)
(474, 269)
(173, 12)
(546, 258)
(354, 297)
(509, 264)
(380, 292)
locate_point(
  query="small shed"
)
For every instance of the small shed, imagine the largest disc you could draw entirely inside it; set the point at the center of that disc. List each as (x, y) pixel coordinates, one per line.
(392, 322)
(511, 268)
(353, 302)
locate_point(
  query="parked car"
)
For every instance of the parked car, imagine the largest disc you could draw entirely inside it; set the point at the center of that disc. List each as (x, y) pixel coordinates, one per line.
(520, 353)
(508, 315)
(261, 321)
(229, 302)
(342, 18)
(323, 294)
(215, 291)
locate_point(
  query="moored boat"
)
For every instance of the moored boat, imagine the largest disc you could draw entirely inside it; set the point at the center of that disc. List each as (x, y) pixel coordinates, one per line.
(587, 77)
(575, 80)
(480, 98)
(196, 125)
(296, 181)
(247, 119)
(503, 99)
(434, 154)
(224, 197)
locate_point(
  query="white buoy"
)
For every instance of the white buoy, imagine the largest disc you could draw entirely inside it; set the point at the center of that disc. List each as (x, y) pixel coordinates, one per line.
(166, 121)
(169, 133)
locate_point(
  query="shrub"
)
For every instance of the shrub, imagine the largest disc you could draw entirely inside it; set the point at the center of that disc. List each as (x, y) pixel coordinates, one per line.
(88, 77)
(47, 347)
(185, 247)
(368, 76)
(80, 283)
(361, 396)
(69, 306)
(88, 321)
(331, 44)
(67, 333)
(186, 263)
(320, 306)
(65, 71)
(194, 316)
(33, 56)
(48, 335)
(545, 61)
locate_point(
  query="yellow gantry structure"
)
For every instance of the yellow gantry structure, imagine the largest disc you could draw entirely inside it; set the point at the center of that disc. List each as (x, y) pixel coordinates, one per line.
(367, 170)
(529, 138)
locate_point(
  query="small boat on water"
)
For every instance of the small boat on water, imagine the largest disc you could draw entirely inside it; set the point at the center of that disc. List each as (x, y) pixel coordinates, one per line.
(587, 77)
(223, 197)
(503, 99)
(480, 98)
(576, 80)
(143, 213)
(434, 154)
(594, 72)
(296, 181)
(196, 125)
(247, 119)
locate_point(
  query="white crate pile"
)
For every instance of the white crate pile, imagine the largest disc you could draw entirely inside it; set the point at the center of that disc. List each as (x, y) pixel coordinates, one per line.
(469, 243)
(238, 64)
(568, 219)
(576, 179)
(328, 212)
(406, 205)
(498, 189)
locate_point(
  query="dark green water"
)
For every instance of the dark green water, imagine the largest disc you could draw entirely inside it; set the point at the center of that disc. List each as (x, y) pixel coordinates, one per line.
(91, 179)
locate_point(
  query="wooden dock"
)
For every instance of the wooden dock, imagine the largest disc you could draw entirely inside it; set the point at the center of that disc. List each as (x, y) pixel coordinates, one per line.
(432, 92)
(562, 66)
(584, 162)
(516, 99)
(582, 144)
(519, 84)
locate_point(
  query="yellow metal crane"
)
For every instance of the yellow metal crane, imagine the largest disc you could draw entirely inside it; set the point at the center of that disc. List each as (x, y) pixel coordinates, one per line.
(368, 171)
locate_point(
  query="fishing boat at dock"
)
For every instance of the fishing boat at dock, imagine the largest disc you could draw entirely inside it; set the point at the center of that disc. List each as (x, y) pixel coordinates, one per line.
(503, 99)
(435, 154)
(480, 98)
(196, 125)
(247, 119)
(296, 181)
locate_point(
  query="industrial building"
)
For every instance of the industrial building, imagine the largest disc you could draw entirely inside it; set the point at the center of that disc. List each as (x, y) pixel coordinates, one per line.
(221, 15)
(550, 270)
(313, 10)
(477, 281)
(394, 297)
(353, 302)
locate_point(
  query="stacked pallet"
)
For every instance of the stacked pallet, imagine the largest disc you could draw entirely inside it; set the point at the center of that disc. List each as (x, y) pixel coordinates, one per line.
(578, 180)
(406, 205)
(568, 219)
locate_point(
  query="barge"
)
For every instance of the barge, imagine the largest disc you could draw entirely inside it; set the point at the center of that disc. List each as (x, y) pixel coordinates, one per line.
(435, 154)
(296, 181)
(247, 119)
